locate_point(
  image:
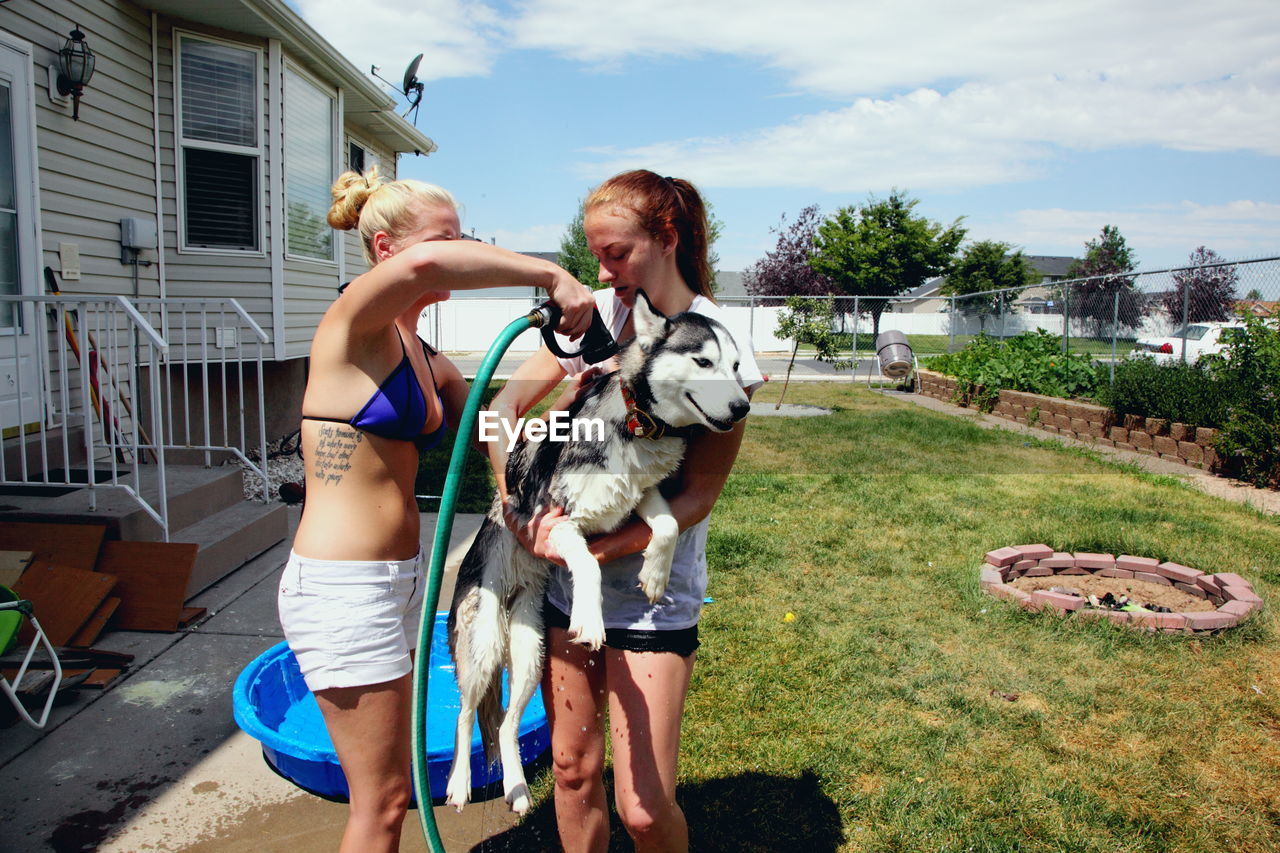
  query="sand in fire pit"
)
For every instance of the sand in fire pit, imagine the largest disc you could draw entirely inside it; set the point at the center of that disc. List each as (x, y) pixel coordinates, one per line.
(1141, 592)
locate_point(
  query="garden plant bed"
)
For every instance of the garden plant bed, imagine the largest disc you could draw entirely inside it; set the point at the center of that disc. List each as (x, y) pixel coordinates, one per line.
(1040, 578)
(1186, 444)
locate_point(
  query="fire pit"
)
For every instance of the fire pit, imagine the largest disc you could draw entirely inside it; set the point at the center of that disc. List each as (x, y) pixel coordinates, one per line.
(1141, 592)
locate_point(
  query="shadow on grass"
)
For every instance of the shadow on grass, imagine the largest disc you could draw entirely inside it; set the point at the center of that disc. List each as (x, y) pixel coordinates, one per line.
(747, 812)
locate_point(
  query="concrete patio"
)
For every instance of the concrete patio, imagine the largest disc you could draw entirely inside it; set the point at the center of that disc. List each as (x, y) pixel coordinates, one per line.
(156, 762)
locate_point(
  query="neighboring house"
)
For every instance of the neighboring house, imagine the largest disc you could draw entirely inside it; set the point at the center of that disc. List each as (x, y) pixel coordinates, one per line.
(222, 122)
(1036, 299)
(729, 285)
(1257, 308)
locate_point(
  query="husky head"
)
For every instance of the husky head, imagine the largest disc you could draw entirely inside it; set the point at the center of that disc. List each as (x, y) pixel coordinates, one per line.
(683, 370)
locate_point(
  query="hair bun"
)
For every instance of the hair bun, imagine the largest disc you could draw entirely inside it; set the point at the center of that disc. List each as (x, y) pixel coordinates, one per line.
(350, 192)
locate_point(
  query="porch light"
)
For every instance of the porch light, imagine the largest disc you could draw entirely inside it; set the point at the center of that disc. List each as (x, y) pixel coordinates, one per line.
(75, 67)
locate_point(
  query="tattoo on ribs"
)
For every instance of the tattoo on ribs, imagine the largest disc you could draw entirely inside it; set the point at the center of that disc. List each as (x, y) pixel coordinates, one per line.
(332, 457)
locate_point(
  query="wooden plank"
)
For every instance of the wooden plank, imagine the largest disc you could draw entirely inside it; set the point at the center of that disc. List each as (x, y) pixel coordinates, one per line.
(92, 629)
(190, 615)
(152, 582)
(63, 597)
(74, 545)
(12, 564)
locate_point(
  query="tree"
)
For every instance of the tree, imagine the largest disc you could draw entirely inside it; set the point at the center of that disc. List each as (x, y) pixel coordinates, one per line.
(1206, 291)
(576, 257)
(985, 266)
(785, 271)
(880, 249)
(806, 320)
(1107, 265)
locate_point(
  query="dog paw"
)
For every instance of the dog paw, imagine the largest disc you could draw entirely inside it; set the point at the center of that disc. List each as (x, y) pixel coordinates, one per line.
(518, 798)
(458, 802)
(457, 793)
(653, 583)
(590, 636)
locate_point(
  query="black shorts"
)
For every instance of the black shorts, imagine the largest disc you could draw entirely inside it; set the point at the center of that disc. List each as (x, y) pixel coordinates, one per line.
(682, 641)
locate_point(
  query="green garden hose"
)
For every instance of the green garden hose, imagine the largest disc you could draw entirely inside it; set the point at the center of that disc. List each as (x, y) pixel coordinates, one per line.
(439, 550)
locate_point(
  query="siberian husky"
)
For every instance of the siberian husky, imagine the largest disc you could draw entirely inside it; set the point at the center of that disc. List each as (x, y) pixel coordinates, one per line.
(677, 376)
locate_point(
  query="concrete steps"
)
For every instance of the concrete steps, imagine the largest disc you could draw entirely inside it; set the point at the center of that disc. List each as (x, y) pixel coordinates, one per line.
(206, 506)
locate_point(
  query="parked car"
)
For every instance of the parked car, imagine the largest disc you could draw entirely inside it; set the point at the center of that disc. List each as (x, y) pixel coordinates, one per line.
(1202, 338)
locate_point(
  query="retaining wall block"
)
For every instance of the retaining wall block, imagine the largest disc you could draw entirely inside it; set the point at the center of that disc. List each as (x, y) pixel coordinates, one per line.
(1140, 440)
(1239, 608)
(1035, 552)
(1059, 560)
(1225, 578)
(1003, 556)
(1209, 584)
(1178, 572)
(1206, 436)
(1023, 565)
(1152, 577)
(1212, 621)
(1133, 422)
(1164, 445)
(1159, 620)
(1003, 590)
(1056, 600)
(1157, 426)
(1241, 593)
(1191, 452)
(1038, 572)
(990, 575)
(1095, 561)
(1118, 434)
(1179, 432)
(1136, 564)
(1191, 589)
(1115, 573)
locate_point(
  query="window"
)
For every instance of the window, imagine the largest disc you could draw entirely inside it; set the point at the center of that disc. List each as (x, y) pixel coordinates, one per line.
(309, 150)
(355, 158)
(219, 145)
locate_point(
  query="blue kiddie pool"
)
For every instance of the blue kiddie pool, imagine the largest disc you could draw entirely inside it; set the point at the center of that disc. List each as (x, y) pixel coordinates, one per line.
(272, 705)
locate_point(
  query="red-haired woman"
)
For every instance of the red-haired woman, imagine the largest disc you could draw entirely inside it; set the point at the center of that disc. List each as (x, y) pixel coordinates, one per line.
(648, 232)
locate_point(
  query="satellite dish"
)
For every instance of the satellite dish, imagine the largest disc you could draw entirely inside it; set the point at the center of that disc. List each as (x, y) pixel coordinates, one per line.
(410, 86)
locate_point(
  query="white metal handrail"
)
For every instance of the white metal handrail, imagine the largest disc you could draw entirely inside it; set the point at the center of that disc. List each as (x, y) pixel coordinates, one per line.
(102, 365)
(193, 325)
(110, 344)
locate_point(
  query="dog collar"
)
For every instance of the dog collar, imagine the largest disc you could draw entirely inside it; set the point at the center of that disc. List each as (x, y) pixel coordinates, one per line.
(640, 423)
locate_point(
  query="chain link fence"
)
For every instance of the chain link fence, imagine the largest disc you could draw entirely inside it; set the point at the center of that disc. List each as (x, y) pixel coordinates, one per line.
(1170, 314)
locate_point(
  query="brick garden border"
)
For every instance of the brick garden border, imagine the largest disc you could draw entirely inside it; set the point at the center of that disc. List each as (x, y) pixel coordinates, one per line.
(1186, 444)
(1229, 592)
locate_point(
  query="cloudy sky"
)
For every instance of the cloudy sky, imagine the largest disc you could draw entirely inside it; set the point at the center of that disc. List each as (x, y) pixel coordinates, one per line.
(1036, 122)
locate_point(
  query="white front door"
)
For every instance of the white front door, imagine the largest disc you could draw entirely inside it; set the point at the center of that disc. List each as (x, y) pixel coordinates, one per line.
(20, 396)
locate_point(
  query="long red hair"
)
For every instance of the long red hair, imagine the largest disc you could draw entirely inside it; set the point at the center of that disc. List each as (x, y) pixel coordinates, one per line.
(664, 206)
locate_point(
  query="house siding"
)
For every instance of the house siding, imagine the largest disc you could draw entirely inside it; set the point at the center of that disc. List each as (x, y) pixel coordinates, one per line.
(310, 288)
(244, 276)
(102, 168)
(92, 172)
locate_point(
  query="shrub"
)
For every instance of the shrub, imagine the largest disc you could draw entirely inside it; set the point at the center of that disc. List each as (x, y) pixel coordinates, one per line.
(1249, 373)
(1032, 362)
(1185, 393)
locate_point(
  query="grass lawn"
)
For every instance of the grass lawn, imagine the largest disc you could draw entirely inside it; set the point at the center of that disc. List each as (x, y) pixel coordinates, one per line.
(873, 720)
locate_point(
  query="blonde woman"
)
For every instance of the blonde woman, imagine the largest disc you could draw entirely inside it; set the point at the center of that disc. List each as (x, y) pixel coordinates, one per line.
(375, 395)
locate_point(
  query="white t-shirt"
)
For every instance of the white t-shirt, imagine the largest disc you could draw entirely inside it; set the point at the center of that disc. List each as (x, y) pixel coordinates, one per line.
(625, 605)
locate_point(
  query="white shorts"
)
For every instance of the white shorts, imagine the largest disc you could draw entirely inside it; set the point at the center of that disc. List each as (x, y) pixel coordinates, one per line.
(351, 623)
